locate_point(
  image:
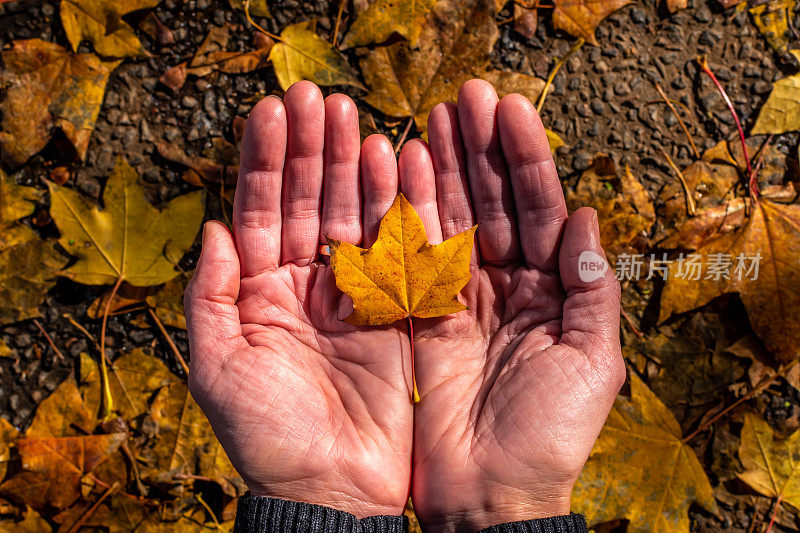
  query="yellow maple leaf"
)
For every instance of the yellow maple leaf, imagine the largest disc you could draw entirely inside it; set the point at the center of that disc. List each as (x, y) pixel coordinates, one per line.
(581, 17)
(781, 112)
(641, 469)
(385, 17)
(771, 466)
(402, 275)
(301, 54)
(101, 23)
(129, 239)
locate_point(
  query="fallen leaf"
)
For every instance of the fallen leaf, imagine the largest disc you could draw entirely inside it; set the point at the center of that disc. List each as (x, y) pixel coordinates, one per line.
(157, 31)
(8, 433)
(781, 112)
(455, 45)
(134, 379)
(581, 18)
(385, 17)
(204, 172)
(168, 301)
(771, 233)
(31, 523)
(16, 201)
(402, 275)
(526, 20)
(185, 442)
(101, 23)
(554, 140)
(772, 20)
(257, 8)
(5, 351)
(625, 210)
(128, 239)
(641, 470)
(58, 450)
(772, 466)
(49, 87)
(676, 5)
(304, 55)
(212, 54)
(27, 272)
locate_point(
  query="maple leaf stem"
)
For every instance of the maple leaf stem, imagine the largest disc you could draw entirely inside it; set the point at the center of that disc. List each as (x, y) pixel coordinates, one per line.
(414, 392)
(552, 76)
(259, 28)
(89, 512)
(108, 400)
(774, 513)
(164, 332)
(680, 120)
(704, 66)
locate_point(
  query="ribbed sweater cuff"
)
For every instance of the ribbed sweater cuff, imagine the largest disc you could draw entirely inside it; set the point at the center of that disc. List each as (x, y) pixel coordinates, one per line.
(571, 523)
(256, 514)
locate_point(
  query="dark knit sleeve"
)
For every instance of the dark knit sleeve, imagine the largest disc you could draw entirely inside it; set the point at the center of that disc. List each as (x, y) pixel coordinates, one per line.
(256, 514)
(571, 523)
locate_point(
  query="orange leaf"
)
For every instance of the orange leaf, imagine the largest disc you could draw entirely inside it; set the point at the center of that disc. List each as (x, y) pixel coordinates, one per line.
(402, 275)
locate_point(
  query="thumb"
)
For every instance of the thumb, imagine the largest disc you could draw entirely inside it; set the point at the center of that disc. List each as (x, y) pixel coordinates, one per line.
(590, 320)
(212, 318)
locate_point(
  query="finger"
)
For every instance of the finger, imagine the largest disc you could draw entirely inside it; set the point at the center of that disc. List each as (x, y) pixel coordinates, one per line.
(452, 187)
(590, 320)
(212, 318)
(257, 206)
(418, 184)
(302, 175)
(490, 188)
(378, 182)
(541, 210)
(341, 205)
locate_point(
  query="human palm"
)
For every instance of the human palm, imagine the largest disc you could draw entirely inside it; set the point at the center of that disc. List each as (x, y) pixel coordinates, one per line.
(514, 390)
(300, 400)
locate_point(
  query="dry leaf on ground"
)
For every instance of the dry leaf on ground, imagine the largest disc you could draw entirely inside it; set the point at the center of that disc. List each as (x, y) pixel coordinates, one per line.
(772, 466)
(58, 450)
(454, 46)
(134, 378)
(304, 55)
(624, 208)
(31, 523)
(100, 22)
(128, 239)
(168, 301)
(49, 87)
(402, 275)
(761, 258)
(582, 17)
(257, 8)
(185, 442)
(16, 201)
(7, 434)
(27, 272)
(641, 470)
(385, 17)
(781, 112)
(772, 20)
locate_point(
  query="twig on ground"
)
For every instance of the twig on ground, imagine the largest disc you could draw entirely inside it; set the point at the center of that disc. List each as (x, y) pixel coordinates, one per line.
(89, 512)
(335, 37)
(82, 329)
(49, 340)
(691, 207)
(680, 120)
(208, 510)
(404, 135)
(172, 345)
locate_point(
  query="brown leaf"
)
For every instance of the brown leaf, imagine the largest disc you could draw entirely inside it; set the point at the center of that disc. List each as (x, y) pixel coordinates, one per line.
(27, 272)
(624, 208)
(212, 55)
(31, 523)
(526, 20)
(582, 17)
(101, 23)
(455, 45)
(771, 233)
(49, 87)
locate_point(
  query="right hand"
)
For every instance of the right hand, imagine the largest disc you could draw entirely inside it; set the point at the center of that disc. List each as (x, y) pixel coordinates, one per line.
(307, 407)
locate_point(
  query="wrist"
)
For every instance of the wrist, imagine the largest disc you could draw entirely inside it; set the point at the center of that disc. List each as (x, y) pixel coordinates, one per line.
(491, 513)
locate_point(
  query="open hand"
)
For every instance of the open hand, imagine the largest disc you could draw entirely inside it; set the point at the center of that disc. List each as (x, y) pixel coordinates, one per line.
(514, 390)
(307, 407)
